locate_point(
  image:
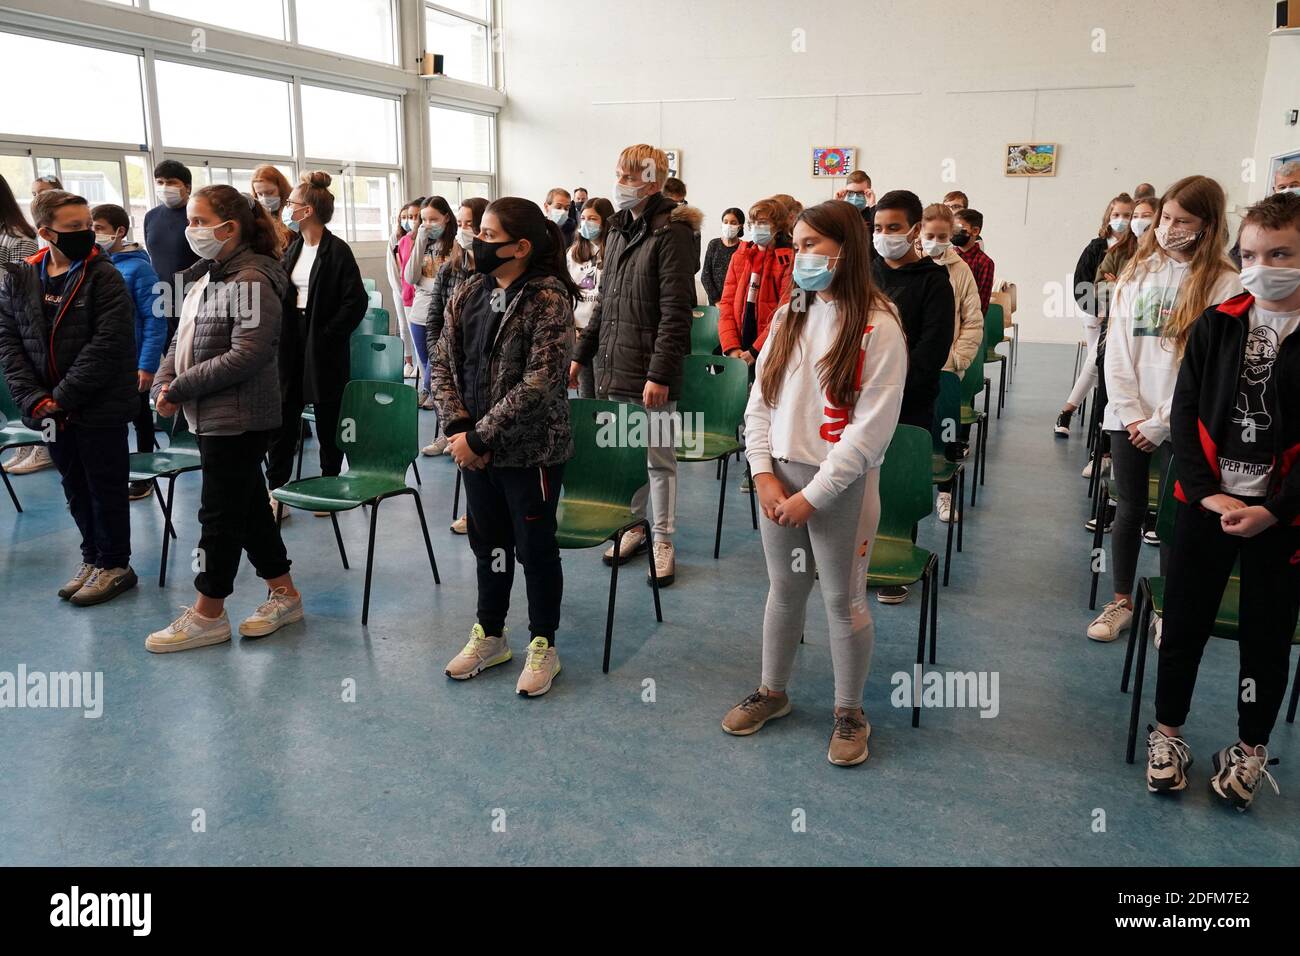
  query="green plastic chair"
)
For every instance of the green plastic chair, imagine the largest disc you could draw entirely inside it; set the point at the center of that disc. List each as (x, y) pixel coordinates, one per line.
(600, 481)
(715, 390)
(378, 435)
(906, 498)
(1100, 504)
(374, 322)
(947, 416)
(377, 358)
(1151, 599)
(993, 336)
(374, 299)
(704, 329)
(180, 456)
(972, 383)
(369, 284)
(14, 434)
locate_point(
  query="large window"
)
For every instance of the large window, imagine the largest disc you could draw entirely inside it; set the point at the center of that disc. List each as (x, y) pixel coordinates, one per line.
(352, 127)
(253, 115)
(101, 175)
(248, 16)
(360, 28)
(459, 139)
(461, 31)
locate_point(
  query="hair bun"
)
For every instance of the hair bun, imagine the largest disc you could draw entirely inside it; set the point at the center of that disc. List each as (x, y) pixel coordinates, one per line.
(318, 178)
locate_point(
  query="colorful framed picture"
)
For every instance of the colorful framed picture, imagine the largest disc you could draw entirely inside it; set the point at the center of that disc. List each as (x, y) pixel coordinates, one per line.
(833, 160)
(1030, 159)
(674, 162)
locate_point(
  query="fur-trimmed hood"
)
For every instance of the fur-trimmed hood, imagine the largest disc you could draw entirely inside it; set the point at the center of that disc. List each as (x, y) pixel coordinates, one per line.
(688, 214)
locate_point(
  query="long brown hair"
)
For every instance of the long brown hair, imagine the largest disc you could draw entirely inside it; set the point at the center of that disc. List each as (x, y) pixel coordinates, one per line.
(584, 250)
(462, 260)
(523, 219)
(255, 226)
(1203, 197)
(1126, 243)
(441, 248)
(271, 175)
(855, 294)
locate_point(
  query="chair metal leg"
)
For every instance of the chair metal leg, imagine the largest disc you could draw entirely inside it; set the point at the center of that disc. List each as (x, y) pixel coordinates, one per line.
(947, 556)
(934, 605)
(613, 593)
(654, 574)
(1002, 387)
(1139, 601)
(428, 545)
(370, 562)
(1098, 534)
(1137, 686)
(415, 467)
(722, 501)
(10, 488)
(961, 505)
(753, 495)
(167, 523)
(980, 427)
(1015, 344)
(455, 500)
(157, 493)
(297, 475)
(338, 536)
(920, 649)
(984, 458)
(1295, 694)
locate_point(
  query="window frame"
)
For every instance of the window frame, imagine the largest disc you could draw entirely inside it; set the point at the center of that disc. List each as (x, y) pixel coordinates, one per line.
(488, 24)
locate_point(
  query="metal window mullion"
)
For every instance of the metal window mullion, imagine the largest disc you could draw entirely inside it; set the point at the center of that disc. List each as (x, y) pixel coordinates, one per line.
(289, 10)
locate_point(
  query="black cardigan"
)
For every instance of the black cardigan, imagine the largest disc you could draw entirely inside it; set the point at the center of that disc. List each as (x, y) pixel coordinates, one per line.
(320, 364)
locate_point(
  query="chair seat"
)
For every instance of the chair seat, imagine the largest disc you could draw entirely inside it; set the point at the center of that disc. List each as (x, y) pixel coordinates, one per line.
(711, 447)
(942, 470)
(587, 524)
(970, 416)
(896, 562)
(337, 493)
(1226, 619)
(20, 435)
(147, 465)
(991, 356)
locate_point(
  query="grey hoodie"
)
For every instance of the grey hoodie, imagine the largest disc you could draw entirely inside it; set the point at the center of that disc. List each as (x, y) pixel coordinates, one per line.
(233, 385)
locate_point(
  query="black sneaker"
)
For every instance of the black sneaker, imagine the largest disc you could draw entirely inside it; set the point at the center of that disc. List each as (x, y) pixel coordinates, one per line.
(894, 595)
(1167, 761)
(1091, 523)
(1237, 775)
(139, 489)
(1062, 428)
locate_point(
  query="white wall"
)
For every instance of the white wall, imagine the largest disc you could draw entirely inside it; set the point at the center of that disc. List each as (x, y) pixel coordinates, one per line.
(1196, 67)
(1281, 94)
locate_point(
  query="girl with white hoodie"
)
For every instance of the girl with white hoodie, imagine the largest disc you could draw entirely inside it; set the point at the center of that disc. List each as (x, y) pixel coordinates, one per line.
(1179, 270)
(827, 395)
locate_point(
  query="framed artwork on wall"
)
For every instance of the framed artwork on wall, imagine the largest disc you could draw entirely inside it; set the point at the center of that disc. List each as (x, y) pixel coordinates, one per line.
(833, 160)
(1276, 163)
(1030, 159)
(674, 162)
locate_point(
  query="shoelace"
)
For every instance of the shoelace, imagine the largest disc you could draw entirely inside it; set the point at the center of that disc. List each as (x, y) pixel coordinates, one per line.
(537, 657)
(91, 581)
(1256, 766)
(1112, 611)
(1161, 749)
(846, 726)
(752, 701)
(273, 600)
(182, 622)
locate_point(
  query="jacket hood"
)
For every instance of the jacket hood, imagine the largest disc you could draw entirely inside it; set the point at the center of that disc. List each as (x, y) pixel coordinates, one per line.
(950, 257)
(36, 257)
(136, 253)
(917, 270)
(688, 214)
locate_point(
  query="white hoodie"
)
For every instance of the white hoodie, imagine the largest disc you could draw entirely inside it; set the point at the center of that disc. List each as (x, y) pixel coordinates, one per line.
(1141, 365)
(805, 426)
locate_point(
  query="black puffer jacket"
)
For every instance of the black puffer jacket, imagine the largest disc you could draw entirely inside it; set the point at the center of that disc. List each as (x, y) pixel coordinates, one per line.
(641, 327)
(91, 370)
(444, 287)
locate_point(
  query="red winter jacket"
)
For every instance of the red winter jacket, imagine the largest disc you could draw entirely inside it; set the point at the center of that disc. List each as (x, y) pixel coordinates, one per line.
(773, 265)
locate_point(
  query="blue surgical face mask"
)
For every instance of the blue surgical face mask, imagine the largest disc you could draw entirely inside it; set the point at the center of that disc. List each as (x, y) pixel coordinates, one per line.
(856, 199)
(812, 271)
(589, 229)
(761, 235)
(433, 231)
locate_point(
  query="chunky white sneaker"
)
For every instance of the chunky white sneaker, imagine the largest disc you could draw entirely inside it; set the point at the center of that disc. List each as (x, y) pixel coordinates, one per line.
(1167, 761)
(629, 546)
(665, 565)
(1114, 619)
(1237, 775)
(540, 669)
(17, 458)
(38, 460)
(272, 614)
(1158, 627)
(189, 631)
(478, 655)
(436, 447)
(1150, 537)
(943, 505)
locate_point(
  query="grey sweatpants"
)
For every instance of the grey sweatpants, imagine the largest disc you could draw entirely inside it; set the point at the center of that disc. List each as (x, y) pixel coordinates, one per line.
(836, 542)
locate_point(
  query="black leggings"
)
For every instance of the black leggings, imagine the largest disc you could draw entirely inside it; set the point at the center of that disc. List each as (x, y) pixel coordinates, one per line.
(1132, 471)
(1200, 562)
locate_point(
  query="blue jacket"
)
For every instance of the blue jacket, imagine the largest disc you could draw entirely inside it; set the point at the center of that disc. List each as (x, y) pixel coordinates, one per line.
(150, 323)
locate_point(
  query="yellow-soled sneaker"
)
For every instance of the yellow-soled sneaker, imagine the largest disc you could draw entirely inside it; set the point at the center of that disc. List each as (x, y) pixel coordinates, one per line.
(540, 668)
(479, 654)
(189, 631)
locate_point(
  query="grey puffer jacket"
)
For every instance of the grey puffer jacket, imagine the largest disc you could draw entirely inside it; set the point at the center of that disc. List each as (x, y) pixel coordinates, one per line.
(641, 327)
(233, 384)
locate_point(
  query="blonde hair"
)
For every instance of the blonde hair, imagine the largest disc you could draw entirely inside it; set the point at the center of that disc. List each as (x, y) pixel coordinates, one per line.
(642, 158)
(937, 210)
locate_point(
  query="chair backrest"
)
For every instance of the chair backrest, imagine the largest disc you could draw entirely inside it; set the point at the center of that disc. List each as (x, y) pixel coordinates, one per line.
(378, 429)
(369, 284)
(972, 380)
(906, 494)
(373, 299)
(179, 436)
(947, 411)
(601, 471)
(8, 407)
(715, 389)
(704, 329)
(377, 358)
(375, 322)
(994, 330)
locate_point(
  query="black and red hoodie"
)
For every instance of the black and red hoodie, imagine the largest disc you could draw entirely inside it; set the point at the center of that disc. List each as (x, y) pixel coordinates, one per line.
(1205, 399)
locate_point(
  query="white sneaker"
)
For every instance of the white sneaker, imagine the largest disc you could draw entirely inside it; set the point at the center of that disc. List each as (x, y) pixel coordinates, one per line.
(38, 460)
(17, 458)
(1114, 619)
(540, 669)
(1158, 628)
(1151, 538)
(944, 506)
(272, 614)
(1087, 469)
(280, 510)
(665, 566)
(482, 651)
(408, 371)
(436, 447)
(629, 546)
(460, 525)
(189, 631)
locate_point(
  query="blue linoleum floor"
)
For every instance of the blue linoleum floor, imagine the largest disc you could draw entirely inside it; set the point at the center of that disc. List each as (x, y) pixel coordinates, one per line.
(418, 768)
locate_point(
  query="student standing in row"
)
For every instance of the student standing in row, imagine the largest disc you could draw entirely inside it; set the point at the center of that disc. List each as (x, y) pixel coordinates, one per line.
(757, 280)
(433, 242)
(557, 208)
(586, 259)
(820, 417)
(970, 246)
(326, 302)
(17, 243)
(164, 233)
(394, 264)
(1236, 434)
(112, 226)
(717, 257)
(410, 221)
(67, 346)
(271, 188)
(499, 383)
(1178, 271)
(220, 372)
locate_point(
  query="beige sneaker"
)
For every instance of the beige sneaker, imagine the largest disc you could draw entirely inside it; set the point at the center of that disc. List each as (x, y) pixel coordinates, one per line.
(665, 566)
(280, 511)
(278, 610)
(104, 584)
(749, 716)
(849, 740)
(540, 669)
(1114, 619)
(944, 507)
(460, 525)
(76, 581)
(17, 458)
(629, 546)
(38, 460)
(478, 655)
(189, 631)
(436, 447)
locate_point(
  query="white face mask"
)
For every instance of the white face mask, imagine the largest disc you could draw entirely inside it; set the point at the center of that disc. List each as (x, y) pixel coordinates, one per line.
(891, 247)
(935, 248)
(105, 242)
(1118, 225)
(1291, 189)
(203, 241)
(1273, 283)
(169, 196)
(557, 215)
(625, 197)
(730, 231)
(270, 203)
(465, 239)
(1140, 226)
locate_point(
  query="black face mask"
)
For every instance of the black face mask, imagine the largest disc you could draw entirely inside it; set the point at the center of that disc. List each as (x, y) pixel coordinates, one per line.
(486, 259)
(961, 238)
(76, 244)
